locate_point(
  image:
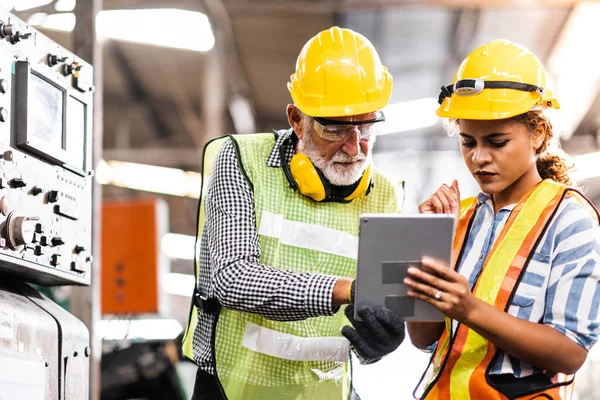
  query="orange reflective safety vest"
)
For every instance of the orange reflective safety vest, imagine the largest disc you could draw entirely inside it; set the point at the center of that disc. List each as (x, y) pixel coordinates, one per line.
(459, 368)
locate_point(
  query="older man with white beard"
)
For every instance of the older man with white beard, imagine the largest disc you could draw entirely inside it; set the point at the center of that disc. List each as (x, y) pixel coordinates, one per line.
(277, 237)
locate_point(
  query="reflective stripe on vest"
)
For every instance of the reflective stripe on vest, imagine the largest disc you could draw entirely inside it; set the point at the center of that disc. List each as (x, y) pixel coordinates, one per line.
(308, 236)
(295, 348)
(460, 363)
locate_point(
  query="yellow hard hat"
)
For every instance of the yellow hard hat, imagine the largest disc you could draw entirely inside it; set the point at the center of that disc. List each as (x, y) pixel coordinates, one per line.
(498, 80)
(339, 73)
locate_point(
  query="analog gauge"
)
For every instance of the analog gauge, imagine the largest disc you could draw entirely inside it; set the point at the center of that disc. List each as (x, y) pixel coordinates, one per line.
(19, 230)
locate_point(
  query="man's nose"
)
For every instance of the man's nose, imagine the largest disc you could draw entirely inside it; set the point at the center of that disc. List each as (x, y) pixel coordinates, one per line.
(351, 144)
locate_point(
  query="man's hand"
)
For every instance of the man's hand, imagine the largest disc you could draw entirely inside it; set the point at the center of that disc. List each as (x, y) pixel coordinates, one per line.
(379, 333)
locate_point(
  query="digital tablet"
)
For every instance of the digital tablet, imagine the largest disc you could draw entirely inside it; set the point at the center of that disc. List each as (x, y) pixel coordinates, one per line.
(388, 245)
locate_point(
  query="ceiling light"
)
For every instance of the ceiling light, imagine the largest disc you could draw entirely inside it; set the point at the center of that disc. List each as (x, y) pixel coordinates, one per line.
(178, 246)
(23, 5)
(149, 178)
(7, 4)
(179, 284)
(64, 5)
(59, 22)
(180, 29)
(409, 115)
(37, 19)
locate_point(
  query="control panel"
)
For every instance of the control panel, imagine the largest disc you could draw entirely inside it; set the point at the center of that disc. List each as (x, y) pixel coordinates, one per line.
(46, 106)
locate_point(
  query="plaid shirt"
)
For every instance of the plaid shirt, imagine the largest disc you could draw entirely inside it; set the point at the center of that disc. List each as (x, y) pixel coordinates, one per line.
(229, 254)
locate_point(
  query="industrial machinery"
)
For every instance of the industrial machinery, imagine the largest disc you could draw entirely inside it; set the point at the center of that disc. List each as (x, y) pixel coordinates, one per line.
(46, 95)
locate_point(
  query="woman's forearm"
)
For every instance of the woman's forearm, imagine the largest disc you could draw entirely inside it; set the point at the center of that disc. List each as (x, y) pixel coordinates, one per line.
(424, 334)
(536, 344)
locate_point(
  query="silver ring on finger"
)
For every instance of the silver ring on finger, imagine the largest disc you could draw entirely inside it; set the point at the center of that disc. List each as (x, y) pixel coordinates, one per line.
(438, 295)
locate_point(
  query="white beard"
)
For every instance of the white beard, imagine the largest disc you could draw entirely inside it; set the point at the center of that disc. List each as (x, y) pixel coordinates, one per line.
(342, 169)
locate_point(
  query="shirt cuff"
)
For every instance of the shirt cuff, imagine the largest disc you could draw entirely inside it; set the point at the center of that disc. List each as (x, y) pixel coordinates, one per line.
(587, 342)
(319, 295)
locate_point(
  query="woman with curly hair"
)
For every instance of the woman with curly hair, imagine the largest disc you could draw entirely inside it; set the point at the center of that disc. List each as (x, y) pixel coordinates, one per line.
(521, 297)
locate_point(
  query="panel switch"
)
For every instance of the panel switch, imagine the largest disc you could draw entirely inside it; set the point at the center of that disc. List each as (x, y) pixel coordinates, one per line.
(55, 259)
(16, 183)
(53, 196)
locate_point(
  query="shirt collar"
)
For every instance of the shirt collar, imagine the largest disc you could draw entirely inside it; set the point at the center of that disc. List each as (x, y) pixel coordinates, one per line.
(483, 198)
(281, 143)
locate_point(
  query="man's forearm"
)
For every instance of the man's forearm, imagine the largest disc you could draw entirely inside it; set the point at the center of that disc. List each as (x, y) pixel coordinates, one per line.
(275, 294)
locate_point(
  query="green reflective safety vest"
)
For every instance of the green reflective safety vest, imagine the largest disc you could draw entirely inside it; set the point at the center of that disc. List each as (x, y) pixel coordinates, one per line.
(257, 358)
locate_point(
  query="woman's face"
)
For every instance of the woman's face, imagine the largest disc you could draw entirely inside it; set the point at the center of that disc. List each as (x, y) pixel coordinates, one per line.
(499, 153)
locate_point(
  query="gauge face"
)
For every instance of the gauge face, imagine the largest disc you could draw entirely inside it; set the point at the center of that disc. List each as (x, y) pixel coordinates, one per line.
(27, 230)
(19, 230)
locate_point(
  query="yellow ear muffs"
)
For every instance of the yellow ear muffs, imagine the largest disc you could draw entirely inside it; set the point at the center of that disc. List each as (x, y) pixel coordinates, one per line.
(363, 186)
(307, 178)
(309, 182)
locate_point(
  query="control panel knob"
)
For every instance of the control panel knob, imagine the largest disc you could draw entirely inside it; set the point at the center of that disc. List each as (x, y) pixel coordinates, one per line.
(16, 183)
(3, 85)
(39, 228)
(7, 30)
(53, 196)
(5, 207)
(3, 114)
(17, 37)
(8, 156)
(70, 69)
(37, 190)
(19, 230)
(57, 241)
(78, 249)
(54, 59)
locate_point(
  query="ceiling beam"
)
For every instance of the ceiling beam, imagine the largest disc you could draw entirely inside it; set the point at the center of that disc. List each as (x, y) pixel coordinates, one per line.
(244, 7)
(139, 93)
(183, 157)
(227, 49)
(575, 67)
(192, 5)
(188, 114)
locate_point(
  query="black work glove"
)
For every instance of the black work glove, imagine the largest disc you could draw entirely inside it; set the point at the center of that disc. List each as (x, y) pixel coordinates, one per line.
(379, 333)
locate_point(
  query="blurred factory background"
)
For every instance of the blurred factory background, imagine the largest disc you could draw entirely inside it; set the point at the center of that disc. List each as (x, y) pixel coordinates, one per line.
(177, 73)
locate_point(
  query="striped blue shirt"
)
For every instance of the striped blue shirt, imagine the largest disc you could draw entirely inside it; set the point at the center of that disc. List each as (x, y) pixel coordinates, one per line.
(560, 287)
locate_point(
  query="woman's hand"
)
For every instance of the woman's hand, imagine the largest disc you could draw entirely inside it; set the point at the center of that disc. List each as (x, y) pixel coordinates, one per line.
(443, 288)
(446, 200)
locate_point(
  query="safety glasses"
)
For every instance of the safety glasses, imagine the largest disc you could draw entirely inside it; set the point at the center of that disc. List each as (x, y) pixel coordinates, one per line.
(336, 130)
